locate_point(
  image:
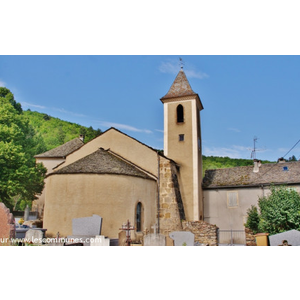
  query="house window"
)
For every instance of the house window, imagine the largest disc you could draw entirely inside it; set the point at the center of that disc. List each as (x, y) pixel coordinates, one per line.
(138, 219)
(181, 137)
(285, 168)
(180, 118)
(232, 199)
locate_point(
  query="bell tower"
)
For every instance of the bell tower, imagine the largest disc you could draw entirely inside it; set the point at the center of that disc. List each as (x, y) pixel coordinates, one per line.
(182, 142)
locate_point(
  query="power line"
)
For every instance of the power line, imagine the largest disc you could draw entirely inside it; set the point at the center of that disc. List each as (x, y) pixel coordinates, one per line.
(291, 149)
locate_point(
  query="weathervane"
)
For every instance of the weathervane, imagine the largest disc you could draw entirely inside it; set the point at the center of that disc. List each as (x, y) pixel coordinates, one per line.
(181, 63)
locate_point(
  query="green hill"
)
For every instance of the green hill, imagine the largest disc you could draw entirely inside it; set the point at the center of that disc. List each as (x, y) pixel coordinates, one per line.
(215, 162)
(52, 132)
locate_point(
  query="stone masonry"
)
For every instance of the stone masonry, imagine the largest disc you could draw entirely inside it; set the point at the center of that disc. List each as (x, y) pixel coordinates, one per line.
(250, 238)
(171, 211)
(171, 208)
(204, 232)
(7, 225)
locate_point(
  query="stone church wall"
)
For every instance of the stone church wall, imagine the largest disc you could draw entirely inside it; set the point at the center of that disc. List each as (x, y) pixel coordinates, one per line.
(204, 232)
(170, 204)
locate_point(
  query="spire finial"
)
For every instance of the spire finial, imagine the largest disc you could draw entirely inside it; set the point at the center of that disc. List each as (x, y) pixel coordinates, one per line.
(181, 63)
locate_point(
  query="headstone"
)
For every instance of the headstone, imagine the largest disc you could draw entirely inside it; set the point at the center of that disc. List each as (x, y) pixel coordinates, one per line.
(122, 238)
(26, 213)
(154, 240)
(85, 229)
(100, 240)
(169, 241)
(292, 237)
(155, 228)
(7, 225)
(182, 238)
(34, 236)
(87, 226)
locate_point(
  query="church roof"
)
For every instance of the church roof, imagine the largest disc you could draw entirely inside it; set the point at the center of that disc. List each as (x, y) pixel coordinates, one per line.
(63, 150)
(180, 87)
(103, 162)
(276, 173)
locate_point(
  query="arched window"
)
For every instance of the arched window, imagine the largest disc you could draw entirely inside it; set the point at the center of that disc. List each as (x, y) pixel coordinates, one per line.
(180, 118)
(139, 217)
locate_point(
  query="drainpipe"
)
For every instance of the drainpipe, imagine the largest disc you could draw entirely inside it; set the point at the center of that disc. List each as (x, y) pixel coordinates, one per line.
(158, 191)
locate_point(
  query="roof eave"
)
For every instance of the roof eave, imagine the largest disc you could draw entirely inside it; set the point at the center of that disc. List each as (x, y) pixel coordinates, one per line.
(182, 98)
(217, 187)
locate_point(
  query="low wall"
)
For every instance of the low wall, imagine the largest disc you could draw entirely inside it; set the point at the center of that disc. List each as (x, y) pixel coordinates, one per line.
(250, 238)
(204, 232)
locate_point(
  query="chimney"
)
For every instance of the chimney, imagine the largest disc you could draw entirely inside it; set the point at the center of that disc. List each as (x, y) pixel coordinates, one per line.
(81, 137)
(281, 160)
(257, 164)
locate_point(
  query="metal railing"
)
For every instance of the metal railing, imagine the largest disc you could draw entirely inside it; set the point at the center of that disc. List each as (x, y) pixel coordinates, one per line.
(231, 237)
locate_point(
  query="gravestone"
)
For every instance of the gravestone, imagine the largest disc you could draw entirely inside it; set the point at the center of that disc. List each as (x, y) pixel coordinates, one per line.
(154, 239)
(85, 229)
(169, 241)
(7, 225)
(182, 238)
(87, 226)
(34, 236)
(291, 236)
(99, 240)
(122, 238)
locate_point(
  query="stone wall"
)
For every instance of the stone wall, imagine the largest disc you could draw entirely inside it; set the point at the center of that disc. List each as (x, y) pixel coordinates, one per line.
(250, 238)
(7, 225)
(204, 232)
(170, 203)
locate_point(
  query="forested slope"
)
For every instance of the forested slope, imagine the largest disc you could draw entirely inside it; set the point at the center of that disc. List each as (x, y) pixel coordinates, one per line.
(53, 132)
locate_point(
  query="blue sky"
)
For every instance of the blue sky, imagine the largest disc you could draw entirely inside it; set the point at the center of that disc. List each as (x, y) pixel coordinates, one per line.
(243, 96)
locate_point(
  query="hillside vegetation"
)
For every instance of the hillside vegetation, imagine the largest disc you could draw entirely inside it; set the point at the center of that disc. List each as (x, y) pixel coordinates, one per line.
(52, 132)
(215, 162)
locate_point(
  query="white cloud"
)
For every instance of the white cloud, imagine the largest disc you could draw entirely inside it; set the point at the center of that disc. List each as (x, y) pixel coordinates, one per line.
(2, 83)
(195, 74)
(234, 129)
(168, 67)
(26, 104)
(233, 152)
(123, 126)
(62, 110)
(173, 67)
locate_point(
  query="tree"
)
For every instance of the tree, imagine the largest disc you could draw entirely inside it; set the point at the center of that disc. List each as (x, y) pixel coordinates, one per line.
(19, 175)
(279, 212)
(253, 219)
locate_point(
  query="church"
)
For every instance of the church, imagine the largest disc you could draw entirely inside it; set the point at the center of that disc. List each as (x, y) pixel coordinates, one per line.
(119, 178)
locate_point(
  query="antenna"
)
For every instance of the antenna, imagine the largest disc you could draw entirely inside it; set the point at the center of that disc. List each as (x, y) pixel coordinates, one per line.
(254, 150)
(253, 153)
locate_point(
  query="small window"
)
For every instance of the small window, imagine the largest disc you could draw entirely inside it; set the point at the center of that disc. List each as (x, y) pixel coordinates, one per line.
(181, 137)
(285, 168)
(139, 217)
(232, 199)
(180, 118)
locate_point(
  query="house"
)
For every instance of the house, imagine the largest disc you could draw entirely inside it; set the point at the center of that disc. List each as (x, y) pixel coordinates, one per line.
(229, 193)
